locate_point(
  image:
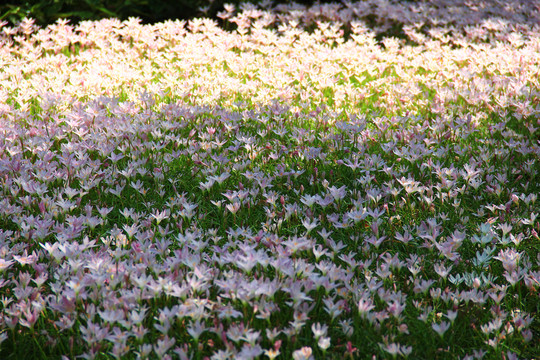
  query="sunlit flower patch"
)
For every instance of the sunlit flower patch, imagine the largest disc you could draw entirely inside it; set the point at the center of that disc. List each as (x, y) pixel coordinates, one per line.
(302, 183)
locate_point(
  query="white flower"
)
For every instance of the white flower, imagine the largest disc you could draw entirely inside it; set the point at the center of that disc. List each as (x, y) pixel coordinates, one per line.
(310, 225)
(304, 353)
(319, 330)
(324, 343)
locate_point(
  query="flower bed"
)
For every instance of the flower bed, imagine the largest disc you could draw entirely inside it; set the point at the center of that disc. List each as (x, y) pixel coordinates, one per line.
(287, 188)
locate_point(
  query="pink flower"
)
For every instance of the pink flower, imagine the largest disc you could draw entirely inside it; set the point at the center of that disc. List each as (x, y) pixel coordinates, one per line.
(26, 259)
(304, 353)
(5, 264)
(441, 328)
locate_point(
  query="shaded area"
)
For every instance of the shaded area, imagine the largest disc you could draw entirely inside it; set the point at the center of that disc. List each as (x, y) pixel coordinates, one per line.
(394, 14)
(49, 11)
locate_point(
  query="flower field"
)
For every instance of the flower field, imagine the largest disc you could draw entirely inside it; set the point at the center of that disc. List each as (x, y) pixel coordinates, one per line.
(342, 181)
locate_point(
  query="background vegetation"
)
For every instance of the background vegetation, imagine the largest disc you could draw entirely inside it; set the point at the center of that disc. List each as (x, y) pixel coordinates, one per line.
(150, 11)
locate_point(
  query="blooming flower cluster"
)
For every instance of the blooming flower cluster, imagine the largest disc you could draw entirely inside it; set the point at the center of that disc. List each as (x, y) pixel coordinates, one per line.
(299, 186)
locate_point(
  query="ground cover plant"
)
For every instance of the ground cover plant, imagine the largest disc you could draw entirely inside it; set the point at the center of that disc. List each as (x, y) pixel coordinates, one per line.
(299, 185)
